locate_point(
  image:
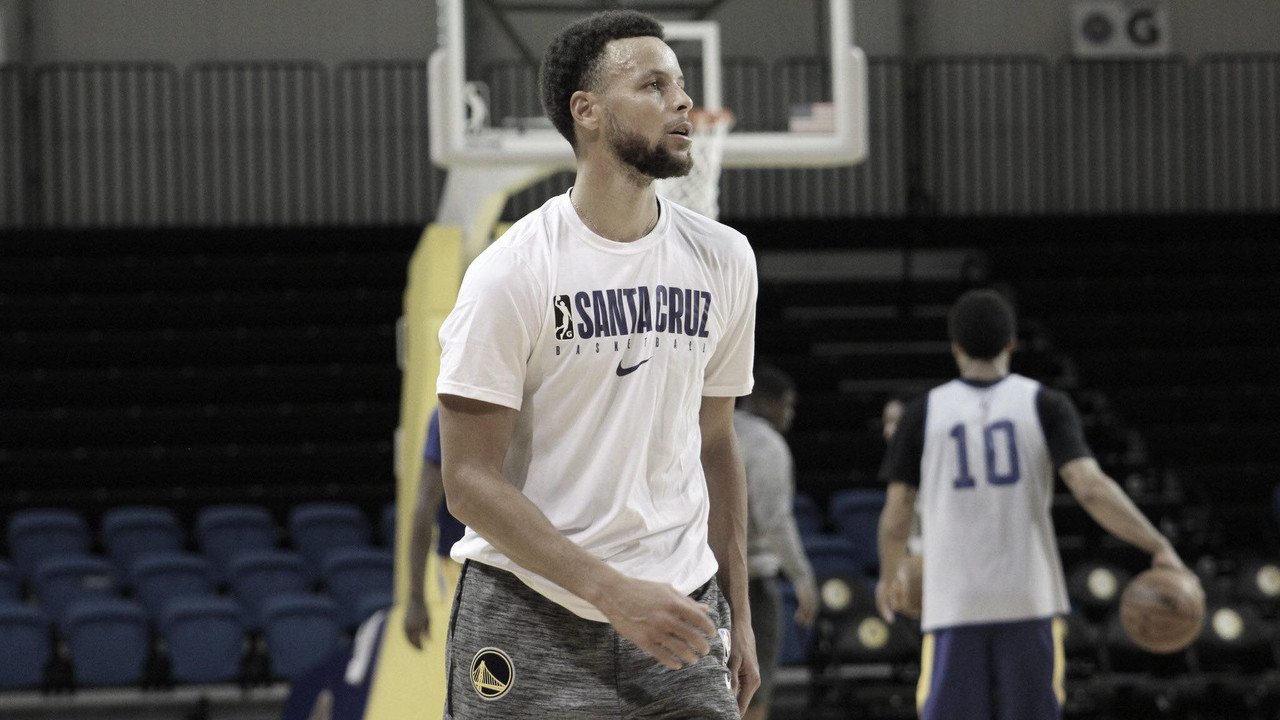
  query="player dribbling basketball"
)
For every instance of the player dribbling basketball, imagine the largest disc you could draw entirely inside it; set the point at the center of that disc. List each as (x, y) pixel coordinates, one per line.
(980, 453)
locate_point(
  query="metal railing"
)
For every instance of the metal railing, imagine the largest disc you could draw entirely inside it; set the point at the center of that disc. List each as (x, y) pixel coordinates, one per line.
(987, 135)
(13, 131)
(1240, 117)
(140, 144)
(383, 165)
(1126, 134)
(109, 144)
(258, 143)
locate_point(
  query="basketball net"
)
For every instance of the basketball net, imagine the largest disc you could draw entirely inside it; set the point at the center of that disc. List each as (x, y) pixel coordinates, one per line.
(700, 189)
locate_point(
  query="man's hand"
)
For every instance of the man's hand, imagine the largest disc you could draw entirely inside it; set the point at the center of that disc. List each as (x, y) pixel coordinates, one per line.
(416, 622)
(885, 600)
(806, 603)
(744, 667)
(671, 627)
(1167, 557)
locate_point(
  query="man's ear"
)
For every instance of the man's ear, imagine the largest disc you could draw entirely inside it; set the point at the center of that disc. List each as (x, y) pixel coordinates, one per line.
(585, 111)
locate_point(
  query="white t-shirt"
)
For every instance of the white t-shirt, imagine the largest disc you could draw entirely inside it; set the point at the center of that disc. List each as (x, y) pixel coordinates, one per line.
(606, 350)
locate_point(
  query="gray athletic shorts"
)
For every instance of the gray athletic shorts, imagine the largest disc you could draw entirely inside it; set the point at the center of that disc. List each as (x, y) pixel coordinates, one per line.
(766, 619)
(515, 655)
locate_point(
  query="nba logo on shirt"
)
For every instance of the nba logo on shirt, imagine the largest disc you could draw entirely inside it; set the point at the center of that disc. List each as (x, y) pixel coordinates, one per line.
(564, 318)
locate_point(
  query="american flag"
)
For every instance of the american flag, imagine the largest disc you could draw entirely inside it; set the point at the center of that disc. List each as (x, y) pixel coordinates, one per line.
(812, 118)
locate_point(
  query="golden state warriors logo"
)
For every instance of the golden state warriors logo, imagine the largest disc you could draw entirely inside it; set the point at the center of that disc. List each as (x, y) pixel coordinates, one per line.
(492, 673)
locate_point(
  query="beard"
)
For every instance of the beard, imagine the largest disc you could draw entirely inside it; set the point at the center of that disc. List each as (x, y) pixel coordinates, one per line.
(652, 160)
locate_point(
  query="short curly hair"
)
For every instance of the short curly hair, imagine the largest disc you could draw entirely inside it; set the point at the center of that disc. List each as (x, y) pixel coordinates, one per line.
(982, 323)
(571, 62)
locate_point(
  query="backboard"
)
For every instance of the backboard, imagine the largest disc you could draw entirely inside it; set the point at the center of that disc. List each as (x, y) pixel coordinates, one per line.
(827, 128)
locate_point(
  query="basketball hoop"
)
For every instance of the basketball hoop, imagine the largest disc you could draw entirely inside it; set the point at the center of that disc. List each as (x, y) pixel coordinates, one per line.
(700, 189)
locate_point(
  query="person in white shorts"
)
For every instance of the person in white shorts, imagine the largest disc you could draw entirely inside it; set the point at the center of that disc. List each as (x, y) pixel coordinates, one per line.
(587, 383)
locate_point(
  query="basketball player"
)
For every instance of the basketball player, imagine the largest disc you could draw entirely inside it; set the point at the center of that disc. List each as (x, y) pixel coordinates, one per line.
(890, 414)
(429, 505)
(981, 453)
(773, 543)
(587, 382)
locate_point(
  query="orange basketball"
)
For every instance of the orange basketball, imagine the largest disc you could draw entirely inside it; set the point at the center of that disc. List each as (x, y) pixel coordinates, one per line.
(1162, 610)
(908, 586)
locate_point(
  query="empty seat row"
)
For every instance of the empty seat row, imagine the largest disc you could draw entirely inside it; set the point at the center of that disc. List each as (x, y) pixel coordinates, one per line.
(254, 576)
(197, 423)
(310, 271)
(195, 346)
(221, 532)
(850, 546)
(1234, 639)
(264, 308)
(109, 640)
(310, 382)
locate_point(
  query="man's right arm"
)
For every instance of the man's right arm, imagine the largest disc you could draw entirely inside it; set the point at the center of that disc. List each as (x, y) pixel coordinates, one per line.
(1096, 492)
(1107, 504)
(476, 434)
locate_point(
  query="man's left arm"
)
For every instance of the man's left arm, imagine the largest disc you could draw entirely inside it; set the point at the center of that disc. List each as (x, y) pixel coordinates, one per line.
(727, 534)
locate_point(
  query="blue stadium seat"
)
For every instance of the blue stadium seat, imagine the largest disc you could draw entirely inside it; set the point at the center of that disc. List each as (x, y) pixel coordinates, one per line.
(108, 641)
(1257, 583)
(205, 638)
(842, 589)
(387, 525)
(808, 516)
(831, 555)
(127, 531)
(300, 631)
(39, 533)
(1235, 639)
(796, 640)
(158, 577)
(352, 572)
(223, 531)
(61, 579)
(1275, 505)
(1094, 587)
(257, 575)
(371, 602)
(865, 638)
(317, 528)
(24, 637)
(855, 514)
(1080, 646)
(10, 584)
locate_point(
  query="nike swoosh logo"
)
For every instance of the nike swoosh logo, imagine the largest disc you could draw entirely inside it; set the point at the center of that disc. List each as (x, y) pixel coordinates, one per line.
(628, 370)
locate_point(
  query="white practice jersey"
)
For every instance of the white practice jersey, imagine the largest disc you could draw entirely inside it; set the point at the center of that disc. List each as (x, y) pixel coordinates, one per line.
(986, 470)
(606, 350)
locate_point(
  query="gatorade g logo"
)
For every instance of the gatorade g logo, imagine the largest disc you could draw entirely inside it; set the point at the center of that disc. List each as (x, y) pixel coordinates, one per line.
(492, 673)
(1143, 28)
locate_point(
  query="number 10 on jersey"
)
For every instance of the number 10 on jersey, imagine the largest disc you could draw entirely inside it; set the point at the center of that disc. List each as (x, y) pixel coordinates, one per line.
(1000, 451)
